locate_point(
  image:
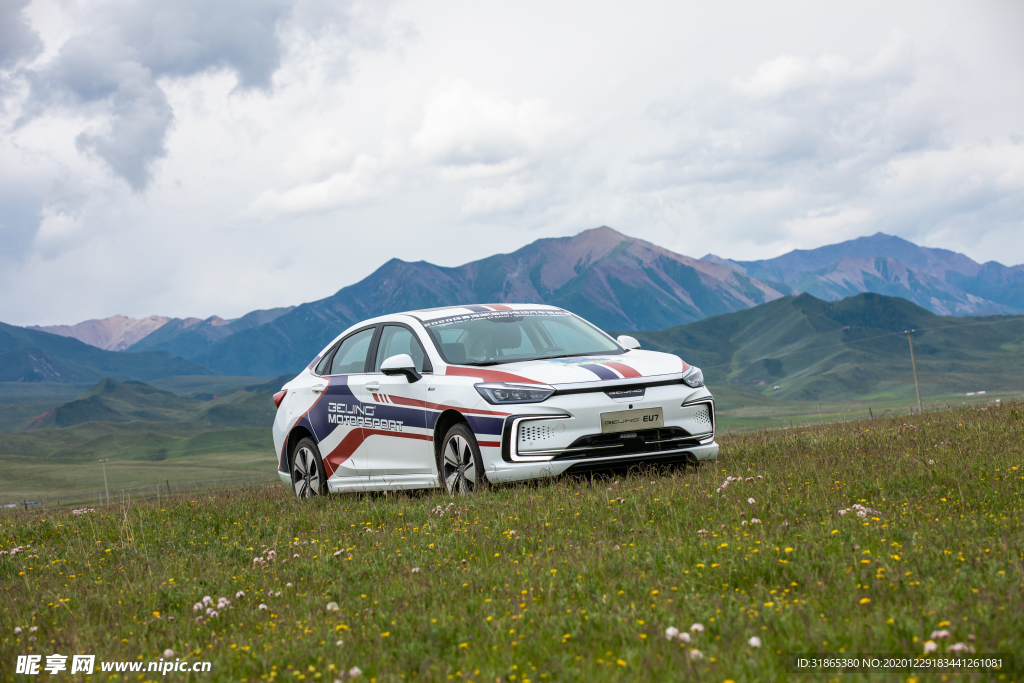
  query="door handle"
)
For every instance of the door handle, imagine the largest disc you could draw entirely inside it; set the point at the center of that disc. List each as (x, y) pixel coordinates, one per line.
(318, 388)
(373, 386)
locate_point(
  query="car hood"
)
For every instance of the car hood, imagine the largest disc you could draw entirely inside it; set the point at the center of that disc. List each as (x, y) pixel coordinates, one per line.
(628, 368)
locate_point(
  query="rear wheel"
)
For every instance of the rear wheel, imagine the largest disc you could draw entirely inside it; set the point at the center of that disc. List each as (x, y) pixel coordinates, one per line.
(308, 476)
(461, 469)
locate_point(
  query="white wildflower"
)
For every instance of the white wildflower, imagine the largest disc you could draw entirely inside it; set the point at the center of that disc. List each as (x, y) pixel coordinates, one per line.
(332, 607)
(168, 653)
(750, 500)
(940, 634)
(754, 642)
(263, 606)
(697, 628)
(354, 671)
(696, 655)
(930, 646)
(671, 633)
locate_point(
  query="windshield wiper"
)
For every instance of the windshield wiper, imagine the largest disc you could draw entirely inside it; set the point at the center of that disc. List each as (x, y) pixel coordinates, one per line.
(486, 362)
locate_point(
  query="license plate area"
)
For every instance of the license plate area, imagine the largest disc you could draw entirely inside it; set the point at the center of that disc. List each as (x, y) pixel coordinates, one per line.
(632, 420)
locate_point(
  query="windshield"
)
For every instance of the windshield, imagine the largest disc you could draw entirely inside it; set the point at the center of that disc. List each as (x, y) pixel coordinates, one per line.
(509, 336)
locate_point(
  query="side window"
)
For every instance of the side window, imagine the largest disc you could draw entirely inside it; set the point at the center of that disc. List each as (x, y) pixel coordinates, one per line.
(351, 354)
(324, 363)
(395, 340)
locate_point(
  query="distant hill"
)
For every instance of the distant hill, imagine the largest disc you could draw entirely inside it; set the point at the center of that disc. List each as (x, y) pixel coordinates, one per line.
(110, 401)
(814, 350)
(613, 280)
(943, 281)
(191, 336)
(33, 356)
(115, 333)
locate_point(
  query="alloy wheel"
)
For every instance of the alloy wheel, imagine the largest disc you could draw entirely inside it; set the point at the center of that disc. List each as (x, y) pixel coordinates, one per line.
(305, 474)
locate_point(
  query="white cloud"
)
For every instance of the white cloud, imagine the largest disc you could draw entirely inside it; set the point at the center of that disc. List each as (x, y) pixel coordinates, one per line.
(338, 190)
(450, 131)
(466, 127)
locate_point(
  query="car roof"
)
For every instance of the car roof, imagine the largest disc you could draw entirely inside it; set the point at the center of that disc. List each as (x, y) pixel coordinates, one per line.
(426, 314)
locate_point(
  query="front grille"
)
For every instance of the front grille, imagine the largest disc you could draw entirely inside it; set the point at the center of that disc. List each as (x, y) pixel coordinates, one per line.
(703, 417)
(534, 434)
(646, 441)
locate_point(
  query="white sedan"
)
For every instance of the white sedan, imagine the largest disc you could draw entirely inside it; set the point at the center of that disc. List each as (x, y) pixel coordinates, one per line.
(465, 395)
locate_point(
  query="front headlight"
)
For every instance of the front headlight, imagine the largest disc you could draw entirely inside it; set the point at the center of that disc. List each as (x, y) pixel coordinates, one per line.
(693, 377)
(503, 392)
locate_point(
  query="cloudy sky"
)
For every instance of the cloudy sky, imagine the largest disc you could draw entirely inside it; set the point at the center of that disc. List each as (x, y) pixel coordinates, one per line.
(198, 158)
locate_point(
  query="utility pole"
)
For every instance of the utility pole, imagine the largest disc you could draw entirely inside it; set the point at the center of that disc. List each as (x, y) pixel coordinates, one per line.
(913, 363)
(104, 461)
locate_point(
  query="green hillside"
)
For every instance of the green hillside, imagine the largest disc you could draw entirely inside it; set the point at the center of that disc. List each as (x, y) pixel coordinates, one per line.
(110, 402)
(34, 356)
(801, 348)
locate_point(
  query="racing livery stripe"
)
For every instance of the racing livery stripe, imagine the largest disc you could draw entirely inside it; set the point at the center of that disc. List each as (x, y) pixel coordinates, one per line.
(354, 439)
(499, 307)
(488, 444)
(308, 423)
(624, 370)
(477, 309)
(403, 401)
(485, 425)
(489, 375)
(599, 370)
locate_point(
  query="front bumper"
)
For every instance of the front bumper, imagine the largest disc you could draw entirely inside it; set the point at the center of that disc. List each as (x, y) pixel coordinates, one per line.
(564, 434)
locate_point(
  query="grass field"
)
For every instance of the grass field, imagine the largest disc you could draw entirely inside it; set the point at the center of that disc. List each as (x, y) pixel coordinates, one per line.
(568, 579)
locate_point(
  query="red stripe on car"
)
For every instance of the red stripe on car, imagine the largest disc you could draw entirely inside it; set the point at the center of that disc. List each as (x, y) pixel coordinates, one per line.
(487, 375)
(354, 439)
(416, 403)
(623, 369)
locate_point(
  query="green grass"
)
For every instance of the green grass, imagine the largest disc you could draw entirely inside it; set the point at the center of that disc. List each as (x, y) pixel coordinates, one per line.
(584, 588)
(77, 483)
(739, 408)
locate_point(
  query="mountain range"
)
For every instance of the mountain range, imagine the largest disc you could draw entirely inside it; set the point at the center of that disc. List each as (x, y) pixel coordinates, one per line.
(617, 282)
(945, 282)
(115, 333)
(33, 356)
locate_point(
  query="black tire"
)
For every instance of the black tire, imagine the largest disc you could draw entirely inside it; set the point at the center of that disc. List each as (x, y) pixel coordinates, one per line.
(460, 468)
(309, 478)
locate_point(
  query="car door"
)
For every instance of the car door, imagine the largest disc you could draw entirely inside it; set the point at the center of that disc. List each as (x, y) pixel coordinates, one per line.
(340, 417)
(401, 444)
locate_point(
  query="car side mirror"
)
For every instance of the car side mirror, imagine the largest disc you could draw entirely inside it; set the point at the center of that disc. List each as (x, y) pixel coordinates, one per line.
(401, 365)
(628, 343)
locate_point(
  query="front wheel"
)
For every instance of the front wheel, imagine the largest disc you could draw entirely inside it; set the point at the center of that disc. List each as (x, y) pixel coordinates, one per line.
(309, 478)
(462, 470)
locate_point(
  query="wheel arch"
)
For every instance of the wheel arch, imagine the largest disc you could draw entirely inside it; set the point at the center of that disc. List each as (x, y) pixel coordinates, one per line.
(297, 434)
(445, 421)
